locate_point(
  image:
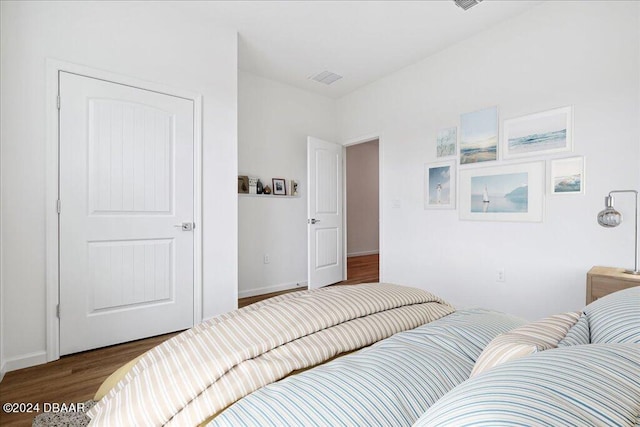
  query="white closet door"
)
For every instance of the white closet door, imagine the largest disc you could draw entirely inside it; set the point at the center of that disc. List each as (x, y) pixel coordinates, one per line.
(126, 188)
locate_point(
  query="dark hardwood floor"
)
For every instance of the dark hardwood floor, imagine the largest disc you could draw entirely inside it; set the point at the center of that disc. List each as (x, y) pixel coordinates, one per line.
(71, 379)
(75, 378)
(362, 269)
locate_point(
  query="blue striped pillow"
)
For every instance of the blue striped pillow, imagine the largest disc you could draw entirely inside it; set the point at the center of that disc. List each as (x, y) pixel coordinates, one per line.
(587, 385)
(615, 318)
(578, 334)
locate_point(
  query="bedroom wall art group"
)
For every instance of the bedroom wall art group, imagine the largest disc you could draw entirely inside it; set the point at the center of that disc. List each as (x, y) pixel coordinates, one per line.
(493, 184)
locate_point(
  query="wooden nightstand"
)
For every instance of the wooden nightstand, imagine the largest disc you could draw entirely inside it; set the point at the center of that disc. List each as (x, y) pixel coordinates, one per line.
(602, 281)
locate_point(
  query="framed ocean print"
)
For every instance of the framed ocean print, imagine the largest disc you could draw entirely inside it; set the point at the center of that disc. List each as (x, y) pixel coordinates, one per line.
(502, 193)
(567, 176)
(447, 142)
(479, 136)
(440, 185)
(538, 134)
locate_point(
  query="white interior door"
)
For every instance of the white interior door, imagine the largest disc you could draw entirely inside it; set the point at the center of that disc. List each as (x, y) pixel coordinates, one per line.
(126, 188)
(324, 207)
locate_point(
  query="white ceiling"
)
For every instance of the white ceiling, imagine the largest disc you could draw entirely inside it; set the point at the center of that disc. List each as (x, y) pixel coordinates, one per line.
(289, 41)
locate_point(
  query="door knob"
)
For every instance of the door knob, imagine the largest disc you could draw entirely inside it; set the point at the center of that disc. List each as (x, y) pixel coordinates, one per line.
(313, 221)
(186, 226)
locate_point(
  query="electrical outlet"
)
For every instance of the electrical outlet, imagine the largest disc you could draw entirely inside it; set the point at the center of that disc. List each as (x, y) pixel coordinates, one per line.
(500, 277)
(267, 260)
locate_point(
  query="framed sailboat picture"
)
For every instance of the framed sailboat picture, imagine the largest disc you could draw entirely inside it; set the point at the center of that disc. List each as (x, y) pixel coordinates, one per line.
(538, 134)
(503, 193)
(440, 185)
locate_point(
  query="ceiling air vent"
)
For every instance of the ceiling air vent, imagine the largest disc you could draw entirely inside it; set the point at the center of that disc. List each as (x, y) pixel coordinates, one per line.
(326, 77)
(466, 4)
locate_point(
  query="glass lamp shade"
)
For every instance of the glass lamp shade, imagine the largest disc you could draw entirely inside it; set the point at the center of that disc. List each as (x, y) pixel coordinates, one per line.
(609, 217)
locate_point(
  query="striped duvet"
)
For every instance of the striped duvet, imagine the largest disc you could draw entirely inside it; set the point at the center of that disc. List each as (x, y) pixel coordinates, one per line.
(198, 373)
(591, 379)
(388, 384)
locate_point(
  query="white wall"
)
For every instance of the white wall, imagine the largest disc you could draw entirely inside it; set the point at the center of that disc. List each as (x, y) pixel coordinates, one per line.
(363, 211)
(584, 54)
(150, 41)
(274, 121)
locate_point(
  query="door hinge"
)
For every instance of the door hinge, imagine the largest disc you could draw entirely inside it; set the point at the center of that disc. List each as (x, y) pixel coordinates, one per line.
(58, 311)
(58, 101)
(58, 206)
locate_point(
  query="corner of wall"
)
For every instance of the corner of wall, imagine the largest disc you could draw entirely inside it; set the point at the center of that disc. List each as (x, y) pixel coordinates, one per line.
(2, 322)
(274, 117)
(3, 367)
(2, 362)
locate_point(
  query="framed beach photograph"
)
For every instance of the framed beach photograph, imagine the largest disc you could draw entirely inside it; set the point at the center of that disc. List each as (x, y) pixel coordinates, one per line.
(566, 176)
(540, 133)
(440, 185)
(279, 186)
(479, 136)
(503, 193)
(447, 142)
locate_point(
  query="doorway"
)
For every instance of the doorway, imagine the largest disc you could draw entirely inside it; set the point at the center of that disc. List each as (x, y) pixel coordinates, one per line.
(363, 211)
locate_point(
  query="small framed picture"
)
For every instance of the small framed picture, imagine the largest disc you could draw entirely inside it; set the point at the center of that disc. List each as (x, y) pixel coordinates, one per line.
(566, 176)
(294, 187)
(279, 186)
(447, 142)
(243, 184)
(440, 185)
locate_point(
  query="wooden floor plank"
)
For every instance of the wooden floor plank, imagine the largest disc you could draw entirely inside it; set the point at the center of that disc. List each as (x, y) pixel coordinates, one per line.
(75, 378)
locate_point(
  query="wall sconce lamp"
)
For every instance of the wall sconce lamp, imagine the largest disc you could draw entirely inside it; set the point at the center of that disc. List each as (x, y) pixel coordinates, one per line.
(609, 217)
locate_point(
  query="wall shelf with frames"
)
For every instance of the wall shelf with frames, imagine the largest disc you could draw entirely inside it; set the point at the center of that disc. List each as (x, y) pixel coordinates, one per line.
(249, 186)
(269, 196)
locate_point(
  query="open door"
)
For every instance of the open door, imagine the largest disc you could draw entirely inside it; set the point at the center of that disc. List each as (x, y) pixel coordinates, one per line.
(324, 213)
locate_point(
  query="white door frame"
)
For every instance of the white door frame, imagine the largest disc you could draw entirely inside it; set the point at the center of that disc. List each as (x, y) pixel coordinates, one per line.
(52, 189)
(348, 143)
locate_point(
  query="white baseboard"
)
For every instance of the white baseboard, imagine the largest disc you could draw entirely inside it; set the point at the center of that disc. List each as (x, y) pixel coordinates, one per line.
(24, 361)
(363, 253)
(2, 372)
(270, 289)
